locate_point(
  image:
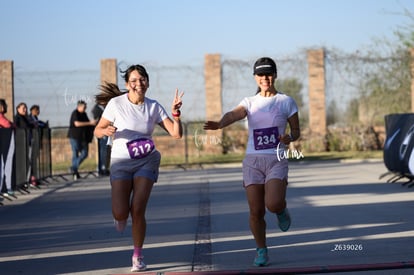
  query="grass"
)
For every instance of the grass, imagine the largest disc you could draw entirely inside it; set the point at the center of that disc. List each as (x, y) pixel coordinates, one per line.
(344, 155)
(63, 167)
(90, 164)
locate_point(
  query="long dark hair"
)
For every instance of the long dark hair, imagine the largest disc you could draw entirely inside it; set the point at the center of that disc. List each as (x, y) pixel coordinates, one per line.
(110, 90)
(3, 106)
(141, 70)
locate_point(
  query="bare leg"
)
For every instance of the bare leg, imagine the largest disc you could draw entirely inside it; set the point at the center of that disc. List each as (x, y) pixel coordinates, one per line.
(275, 195)
(121, 191)
(255, 197)
(141, 191)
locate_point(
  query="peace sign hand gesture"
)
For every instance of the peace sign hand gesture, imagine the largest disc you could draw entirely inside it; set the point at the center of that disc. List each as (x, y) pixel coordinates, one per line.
(177, 103)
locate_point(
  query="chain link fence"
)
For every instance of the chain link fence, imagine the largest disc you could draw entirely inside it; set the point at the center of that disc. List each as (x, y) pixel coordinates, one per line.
(346, 74)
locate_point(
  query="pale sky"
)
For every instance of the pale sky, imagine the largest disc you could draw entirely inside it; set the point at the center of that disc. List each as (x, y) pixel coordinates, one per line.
(65, 35)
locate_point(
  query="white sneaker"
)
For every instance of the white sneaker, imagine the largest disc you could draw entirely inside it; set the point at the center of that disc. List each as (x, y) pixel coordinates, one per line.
(138, 264)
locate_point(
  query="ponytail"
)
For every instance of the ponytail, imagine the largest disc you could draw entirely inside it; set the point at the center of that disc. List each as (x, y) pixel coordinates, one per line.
(108, 91)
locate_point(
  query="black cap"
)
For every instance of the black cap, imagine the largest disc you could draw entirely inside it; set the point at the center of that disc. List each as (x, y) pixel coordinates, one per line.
(264, 65)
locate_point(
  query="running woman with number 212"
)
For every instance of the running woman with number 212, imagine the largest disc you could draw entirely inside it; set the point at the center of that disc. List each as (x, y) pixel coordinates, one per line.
(129, 118)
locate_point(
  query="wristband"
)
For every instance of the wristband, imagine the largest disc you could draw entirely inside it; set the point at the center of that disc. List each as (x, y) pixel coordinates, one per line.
(178, 114)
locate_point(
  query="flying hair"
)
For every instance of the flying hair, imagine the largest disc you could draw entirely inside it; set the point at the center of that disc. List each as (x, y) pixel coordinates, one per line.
(108, 91)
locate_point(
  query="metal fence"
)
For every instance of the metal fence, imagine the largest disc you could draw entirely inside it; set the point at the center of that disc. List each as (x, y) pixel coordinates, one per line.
(25, 157)
(58, 91)
(346, 74)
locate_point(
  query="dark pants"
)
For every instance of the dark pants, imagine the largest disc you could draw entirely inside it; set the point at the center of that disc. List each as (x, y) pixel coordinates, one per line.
(102, 155)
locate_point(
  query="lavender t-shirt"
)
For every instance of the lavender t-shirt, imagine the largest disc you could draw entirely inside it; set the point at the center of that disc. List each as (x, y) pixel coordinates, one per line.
(267, 119)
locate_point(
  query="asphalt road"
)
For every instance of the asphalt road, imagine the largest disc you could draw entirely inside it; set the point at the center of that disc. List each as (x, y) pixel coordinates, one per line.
(346, 219)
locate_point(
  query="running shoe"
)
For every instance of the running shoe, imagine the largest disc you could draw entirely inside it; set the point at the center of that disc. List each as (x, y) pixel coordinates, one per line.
(8, 194)
(284, 220)
(138, 264)
(120, 225)
(261, 257)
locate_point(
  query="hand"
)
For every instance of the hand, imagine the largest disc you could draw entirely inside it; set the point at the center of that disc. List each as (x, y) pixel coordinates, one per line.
(110, 130)
(177, 102)
(286, 139)
(211, 125)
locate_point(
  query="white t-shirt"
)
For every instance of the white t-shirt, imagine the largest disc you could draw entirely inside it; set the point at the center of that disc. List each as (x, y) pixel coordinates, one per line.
(132, 121)
(267, 118)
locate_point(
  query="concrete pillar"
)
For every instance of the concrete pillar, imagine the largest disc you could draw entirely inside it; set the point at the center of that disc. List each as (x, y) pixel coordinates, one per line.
(7, 86)
(212, 76)
(317, 105)
(109, 71)
(412, 79)
(214, 101)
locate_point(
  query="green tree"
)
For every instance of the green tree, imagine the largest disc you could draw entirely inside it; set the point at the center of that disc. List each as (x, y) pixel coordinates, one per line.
(405, 34)
(384, 82)
(352, 112)
(333, 113)
(388, 90)
(293, 87)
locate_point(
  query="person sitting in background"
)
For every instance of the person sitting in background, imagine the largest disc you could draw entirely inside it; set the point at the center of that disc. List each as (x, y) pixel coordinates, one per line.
(34, 115)
(80, 135)
(4, 121)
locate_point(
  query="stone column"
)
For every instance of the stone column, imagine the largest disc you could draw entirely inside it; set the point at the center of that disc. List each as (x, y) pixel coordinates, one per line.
(109, 71)
(412, 79)
(7, 86)
(317, 105)
(212, 75)
(214, 102)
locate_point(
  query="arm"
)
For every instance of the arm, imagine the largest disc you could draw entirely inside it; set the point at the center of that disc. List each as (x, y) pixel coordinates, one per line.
(294, 130)
(78, 119)
(84, 123)
(4, 122)
(17, 121)
(174, 126)
(104, 128)
(236, 114)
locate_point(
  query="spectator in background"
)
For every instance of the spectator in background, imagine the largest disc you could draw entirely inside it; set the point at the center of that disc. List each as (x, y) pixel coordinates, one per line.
(6, 151)
(80, 135)
(4, 122)
(102, 144)
(22, 119)
(34, 115)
